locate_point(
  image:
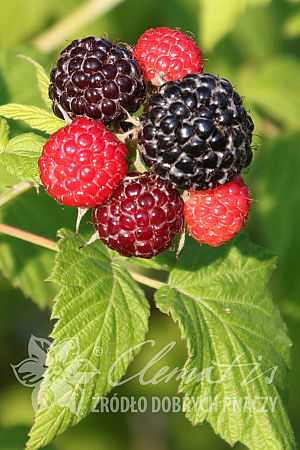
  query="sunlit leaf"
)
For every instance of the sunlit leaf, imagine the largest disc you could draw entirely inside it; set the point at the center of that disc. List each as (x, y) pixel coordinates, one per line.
(238, 349)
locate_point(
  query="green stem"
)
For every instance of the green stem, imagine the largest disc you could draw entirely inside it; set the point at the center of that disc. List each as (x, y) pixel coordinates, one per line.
(155, 284)
(47, 243)
(88, 12)
(14, 191)
(28, 237)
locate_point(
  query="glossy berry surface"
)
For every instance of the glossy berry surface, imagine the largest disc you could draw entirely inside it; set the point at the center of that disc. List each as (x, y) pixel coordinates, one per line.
(141, 217)
(98, 79)
(216, 215)
(167, 53)
(196, 133)
(82, 163)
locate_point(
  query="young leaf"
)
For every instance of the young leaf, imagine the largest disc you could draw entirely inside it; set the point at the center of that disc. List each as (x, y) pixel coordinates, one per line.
(102, 318)
(42, 79)
(4, 130)
(35, 117)
(216, 20)
(238, 350)
(16, 88)
(21, 156)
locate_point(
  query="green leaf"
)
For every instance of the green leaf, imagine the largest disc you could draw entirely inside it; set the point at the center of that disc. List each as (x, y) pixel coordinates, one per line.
(6, 179)
(292, 26)
(224, 310)
(165, 261)
(218, 19)
(21, 156)
(16, 89)
(278, 96)
(276, 185)
(27, 266)
(35, 117)
(42, 79)
(4, 130)
(28, 18)
(98, 306)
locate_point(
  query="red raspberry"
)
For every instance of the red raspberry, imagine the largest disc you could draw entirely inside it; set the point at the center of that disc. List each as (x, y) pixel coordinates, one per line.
(82, 163)
(215, 215)
(167, 53)
(141, 217)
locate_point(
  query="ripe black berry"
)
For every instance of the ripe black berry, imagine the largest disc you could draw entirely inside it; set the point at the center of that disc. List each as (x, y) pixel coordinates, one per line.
(141, 217)
(98, 79)
(196, 133)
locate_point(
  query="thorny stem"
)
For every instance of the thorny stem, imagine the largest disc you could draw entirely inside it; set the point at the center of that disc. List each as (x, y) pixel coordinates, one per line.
(47, 243)
(87, 12)
(14, 191)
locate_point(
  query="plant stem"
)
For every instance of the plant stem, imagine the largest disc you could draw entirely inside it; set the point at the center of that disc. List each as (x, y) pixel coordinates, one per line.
(28, 237)
(88, 12)
(155, 284)
(47, 243)
(14, 191)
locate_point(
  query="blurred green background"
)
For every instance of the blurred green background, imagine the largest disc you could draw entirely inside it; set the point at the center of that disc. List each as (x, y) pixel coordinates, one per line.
(253, 43)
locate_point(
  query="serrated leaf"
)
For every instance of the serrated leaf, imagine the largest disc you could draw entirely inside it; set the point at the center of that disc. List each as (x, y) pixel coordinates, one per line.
(99, 307)
(224, 310)
(27, 266)
(4, 130)
(21, 155)
(35, 117)
(279, 97)
(42, 79)
(217, 19)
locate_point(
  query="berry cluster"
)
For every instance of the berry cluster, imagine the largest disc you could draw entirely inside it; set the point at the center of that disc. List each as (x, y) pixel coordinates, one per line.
(194, 135)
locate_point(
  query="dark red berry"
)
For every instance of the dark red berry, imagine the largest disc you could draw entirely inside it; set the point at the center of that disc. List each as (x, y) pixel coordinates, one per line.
(141, 217)
(98, 79)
